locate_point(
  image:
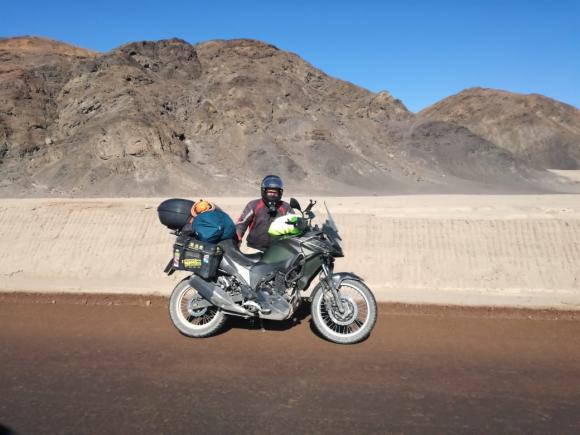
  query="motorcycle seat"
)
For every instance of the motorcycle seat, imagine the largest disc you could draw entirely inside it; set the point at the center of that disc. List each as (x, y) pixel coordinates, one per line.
(232, 250)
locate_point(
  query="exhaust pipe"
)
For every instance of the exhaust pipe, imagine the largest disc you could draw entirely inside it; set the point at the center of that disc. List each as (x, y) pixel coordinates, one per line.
(216, 295)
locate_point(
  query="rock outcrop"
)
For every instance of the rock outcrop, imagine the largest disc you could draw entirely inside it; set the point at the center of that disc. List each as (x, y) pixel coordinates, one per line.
(539, 130)
(171, 118)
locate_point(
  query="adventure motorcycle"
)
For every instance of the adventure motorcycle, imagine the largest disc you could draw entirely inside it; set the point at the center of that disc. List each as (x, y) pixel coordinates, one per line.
(268, 285)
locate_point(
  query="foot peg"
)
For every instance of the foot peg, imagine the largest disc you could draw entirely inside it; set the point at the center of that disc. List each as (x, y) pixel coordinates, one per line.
(255, 307)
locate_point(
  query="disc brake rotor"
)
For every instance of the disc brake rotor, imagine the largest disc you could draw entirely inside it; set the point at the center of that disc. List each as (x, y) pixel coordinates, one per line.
(349, 315)
(195, 312)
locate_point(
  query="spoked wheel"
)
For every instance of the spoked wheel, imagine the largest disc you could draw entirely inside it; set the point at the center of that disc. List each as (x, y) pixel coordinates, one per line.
(357, 320)
(189, 319)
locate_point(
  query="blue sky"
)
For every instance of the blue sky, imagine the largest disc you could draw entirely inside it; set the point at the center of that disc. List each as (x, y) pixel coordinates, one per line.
(419, 51)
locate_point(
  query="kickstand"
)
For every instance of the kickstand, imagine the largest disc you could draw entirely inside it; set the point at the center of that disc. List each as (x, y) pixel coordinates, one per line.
(260, 325)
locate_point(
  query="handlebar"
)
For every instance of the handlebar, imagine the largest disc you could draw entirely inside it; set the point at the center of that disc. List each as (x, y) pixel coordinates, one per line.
(312, 204)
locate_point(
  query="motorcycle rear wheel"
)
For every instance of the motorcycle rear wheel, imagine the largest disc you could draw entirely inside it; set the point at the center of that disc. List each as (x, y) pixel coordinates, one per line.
(358, 320)
(191, 322)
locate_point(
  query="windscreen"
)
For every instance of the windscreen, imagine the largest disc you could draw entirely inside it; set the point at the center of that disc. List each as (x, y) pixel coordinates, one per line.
(331, 224)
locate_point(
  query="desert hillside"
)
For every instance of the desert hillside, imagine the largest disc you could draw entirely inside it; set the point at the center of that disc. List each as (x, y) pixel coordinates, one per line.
(168, 118)
(539, 130)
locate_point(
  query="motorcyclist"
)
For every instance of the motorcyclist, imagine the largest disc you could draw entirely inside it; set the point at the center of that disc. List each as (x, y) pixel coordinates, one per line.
(259, 214)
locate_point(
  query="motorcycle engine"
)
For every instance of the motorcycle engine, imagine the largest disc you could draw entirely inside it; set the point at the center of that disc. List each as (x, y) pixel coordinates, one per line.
(231, 285)
(275, 286)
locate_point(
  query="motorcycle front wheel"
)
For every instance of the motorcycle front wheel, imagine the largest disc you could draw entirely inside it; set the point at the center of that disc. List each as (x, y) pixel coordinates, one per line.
(355, 323)
(187, 319)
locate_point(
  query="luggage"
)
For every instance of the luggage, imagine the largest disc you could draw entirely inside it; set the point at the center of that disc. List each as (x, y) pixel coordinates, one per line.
(195, 249)
(213, 226)
(175, 213)
(196, 256)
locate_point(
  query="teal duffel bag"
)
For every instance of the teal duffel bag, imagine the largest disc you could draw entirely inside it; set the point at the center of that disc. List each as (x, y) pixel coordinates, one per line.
(213, 226)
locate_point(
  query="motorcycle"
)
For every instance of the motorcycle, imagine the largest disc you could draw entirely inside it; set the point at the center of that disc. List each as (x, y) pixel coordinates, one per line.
(268, 285)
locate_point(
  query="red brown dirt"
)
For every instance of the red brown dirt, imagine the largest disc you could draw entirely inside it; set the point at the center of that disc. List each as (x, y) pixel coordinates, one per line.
(77, 366)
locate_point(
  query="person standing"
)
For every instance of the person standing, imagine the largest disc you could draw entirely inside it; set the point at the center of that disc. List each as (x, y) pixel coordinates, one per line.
(259, 214)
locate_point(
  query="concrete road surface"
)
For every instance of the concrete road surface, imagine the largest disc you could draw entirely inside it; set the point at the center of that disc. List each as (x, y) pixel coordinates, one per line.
(94, 369)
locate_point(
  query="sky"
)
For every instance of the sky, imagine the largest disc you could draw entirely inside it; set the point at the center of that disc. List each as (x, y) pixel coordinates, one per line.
(419, 51)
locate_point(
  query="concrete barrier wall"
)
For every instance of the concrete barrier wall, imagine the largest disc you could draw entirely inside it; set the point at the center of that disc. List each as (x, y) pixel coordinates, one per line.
(469, 250)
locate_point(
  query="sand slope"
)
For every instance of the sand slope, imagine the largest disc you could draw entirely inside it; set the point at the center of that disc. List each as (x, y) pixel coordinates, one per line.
(474, 250)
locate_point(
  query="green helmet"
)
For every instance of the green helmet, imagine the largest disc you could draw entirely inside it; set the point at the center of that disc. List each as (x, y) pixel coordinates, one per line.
(284, 226)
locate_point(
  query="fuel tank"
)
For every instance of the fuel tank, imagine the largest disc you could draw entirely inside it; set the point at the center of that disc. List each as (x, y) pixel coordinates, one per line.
(281, 250)
(278, 257)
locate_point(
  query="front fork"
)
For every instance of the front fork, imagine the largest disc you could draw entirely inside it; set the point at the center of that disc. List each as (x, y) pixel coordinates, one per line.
(327, 269)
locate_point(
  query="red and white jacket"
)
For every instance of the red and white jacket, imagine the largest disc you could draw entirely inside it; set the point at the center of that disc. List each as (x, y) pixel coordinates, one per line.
(257, 218)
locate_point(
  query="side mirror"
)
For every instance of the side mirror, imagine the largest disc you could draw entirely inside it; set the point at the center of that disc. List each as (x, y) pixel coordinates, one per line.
(295, 204)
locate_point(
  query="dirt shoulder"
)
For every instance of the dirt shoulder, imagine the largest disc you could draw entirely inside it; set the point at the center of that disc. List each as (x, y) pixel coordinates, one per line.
(384, 308)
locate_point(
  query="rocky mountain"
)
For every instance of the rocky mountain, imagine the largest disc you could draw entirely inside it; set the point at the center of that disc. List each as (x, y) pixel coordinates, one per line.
(171, 118)
(539, 130)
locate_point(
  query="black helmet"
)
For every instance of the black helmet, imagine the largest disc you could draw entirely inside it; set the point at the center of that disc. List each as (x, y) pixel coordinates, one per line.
(272, 182)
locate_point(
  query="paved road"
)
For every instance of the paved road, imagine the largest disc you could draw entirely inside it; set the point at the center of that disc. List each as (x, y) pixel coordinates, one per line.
(67, 368)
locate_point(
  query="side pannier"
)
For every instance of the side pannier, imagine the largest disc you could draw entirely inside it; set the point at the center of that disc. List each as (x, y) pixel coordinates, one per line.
(201, 258)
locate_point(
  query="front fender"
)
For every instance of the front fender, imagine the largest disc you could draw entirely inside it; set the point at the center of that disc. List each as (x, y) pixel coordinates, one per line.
(337, 279)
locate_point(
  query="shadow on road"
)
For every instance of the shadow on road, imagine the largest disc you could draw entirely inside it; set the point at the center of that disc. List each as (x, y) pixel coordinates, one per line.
(316, 332)
(270, 325)
(299, 316)
(5, 430)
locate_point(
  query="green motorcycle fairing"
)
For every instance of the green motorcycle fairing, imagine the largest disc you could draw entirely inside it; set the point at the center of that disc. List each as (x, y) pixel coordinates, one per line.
(283, 251)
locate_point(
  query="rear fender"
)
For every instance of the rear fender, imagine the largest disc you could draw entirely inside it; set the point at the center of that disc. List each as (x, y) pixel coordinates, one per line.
(169, 268)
